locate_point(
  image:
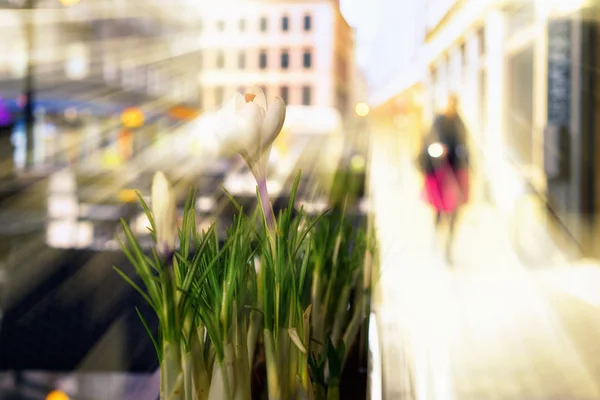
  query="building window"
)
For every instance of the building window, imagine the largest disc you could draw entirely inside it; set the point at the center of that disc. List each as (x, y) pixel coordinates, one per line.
(306, 92)
(220, 60)
(285, 24)
(221, 25)
(307, 23)
(262, 59)
(307, 59)
(218, 96)
(242, 25)
(263, 24)
(285, 59)
(242, 60)
(285, 93)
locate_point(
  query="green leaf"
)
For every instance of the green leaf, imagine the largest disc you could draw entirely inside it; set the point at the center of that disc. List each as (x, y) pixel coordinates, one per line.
(149, 215)
(335, 363)
(154, 343)
(308, 229)
(136, 287)
(141, 266)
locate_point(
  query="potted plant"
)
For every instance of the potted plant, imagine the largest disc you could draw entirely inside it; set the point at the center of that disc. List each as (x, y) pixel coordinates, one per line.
(288, 287)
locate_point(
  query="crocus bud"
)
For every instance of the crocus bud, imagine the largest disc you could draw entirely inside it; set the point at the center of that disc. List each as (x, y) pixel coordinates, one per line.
(164, 209)
(249, 126)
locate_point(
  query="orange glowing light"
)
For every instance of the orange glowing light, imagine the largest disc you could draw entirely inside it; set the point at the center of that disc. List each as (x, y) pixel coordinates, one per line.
(249, 97)
(132, 118)
(183, 113)
(57, 395)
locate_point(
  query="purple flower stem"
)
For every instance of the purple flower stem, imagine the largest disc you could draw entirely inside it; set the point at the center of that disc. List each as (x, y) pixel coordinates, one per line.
(266, 204)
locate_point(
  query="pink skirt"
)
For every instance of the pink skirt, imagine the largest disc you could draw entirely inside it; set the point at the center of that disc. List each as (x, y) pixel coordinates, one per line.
(445, 189)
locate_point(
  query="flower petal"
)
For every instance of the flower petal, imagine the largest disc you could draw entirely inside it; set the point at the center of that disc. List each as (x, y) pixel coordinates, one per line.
(234, 103)
(249, 124)
(227, 128)
(260, 98)
(273, 122)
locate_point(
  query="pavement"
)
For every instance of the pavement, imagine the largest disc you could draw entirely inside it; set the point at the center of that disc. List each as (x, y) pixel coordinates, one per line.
(490, 326)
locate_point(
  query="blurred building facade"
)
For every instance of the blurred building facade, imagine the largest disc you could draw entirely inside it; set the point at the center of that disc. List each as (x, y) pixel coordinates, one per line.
(523, 71)
(92, 61)
(302, 51)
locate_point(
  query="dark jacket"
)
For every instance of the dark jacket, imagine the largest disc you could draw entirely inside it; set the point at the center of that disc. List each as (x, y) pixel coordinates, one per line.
(451, 132)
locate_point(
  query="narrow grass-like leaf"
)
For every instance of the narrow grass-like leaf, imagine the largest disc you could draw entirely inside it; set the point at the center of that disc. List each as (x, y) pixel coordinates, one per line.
(136, 287)
(149, 215)
(154, 343)
(306, 231)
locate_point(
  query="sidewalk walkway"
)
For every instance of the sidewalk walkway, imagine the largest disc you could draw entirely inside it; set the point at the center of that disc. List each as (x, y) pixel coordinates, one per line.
(487, 328)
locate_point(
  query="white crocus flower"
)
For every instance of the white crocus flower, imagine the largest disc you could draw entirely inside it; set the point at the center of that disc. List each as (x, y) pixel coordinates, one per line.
(249, 126)
(164, 209)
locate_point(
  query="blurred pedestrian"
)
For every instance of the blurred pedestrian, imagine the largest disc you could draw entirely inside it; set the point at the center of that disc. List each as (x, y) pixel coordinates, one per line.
(444, 162)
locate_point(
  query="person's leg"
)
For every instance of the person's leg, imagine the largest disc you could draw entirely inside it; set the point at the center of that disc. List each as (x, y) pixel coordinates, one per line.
(452, 217)
(438, 218)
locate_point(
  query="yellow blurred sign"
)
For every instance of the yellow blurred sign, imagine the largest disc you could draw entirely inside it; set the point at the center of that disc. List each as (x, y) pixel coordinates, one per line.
(132, 118)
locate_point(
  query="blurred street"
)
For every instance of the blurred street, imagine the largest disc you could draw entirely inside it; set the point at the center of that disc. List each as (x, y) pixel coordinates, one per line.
(487, 110)
(487, 327)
